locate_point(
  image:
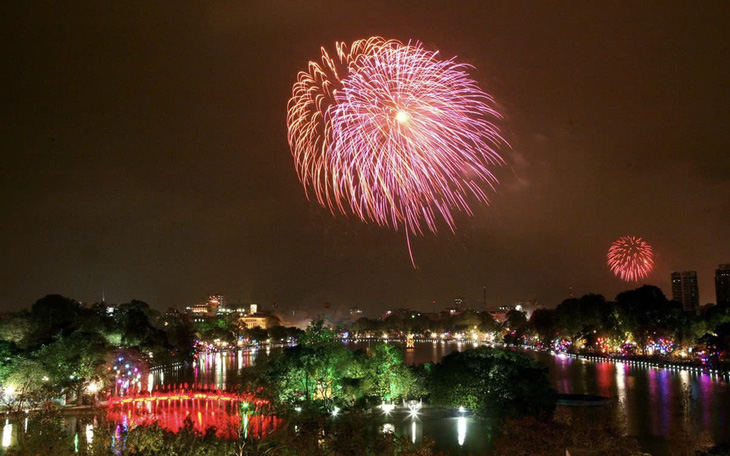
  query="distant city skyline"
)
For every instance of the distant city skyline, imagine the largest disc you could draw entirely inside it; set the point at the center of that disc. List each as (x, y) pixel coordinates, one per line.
(684, 291)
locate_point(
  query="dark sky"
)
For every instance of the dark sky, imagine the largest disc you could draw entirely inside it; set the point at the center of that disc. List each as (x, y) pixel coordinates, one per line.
(144, 151)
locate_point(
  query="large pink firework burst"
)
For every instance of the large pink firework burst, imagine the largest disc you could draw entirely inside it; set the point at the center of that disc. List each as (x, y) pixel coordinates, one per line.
(394, 134)
(630, 258)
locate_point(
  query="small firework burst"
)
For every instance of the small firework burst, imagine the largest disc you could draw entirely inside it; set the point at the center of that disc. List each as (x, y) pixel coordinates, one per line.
(630, 258)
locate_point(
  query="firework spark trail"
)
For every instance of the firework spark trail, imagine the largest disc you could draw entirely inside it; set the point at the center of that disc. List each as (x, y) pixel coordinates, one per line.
(394, 134)
(630, 258)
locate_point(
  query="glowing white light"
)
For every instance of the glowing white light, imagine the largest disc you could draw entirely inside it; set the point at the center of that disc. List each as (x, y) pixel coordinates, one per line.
(413, 431)
(387, 428)
(462, 409)
(387, 408)
(402, 116)
(89, 433)
(7, 434)
(335, 411)
(92, 388)
(461, 430)
(414, 407)
(298, 409)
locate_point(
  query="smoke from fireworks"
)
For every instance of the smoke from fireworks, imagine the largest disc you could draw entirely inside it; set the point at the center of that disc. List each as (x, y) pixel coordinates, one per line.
(630, 258)
(394, 134)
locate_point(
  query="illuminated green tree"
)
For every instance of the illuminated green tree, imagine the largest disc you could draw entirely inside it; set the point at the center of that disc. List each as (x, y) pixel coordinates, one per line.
(386, 377)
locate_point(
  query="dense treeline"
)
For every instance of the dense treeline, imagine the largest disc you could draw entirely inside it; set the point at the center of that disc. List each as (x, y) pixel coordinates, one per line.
(60, 348)
(639, 322)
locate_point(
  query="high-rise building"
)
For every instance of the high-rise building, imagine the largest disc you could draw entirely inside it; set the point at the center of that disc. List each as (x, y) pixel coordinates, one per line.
(685, 290)
(722, 284)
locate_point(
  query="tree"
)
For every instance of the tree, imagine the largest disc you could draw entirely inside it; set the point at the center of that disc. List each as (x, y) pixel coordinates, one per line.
(651, 313)
(492, 383)
(516, 319)
(181, 339)
(26, 385)
(51, 315)
(16, 328)
(543, 322)
(136, 321)
(386, 377)
(73, 362)
(314, 372)
(8, 352)
(277, 333)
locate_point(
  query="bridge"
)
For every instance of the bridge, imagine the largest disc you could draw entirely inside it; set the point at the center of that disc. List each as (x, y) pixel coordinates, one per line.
(202, 410)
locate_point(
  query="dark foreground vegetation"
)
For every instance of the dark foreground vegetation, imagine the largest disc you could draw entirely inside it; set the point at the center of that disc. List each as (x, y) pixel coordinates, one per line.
(319, 436)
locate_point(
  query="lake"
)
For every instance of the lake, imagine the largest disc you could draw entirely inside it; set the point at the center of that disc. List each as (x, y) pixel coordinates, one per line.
(651, 403)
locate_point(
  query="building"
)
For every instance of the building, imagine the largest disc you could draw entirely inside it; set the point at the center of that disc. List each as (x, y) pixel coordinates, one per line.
(685, 290)
(263, 321)
(253, 308)
(216, 303)
(500, 313)
(355, 313)
(201, 309)
(722, 284)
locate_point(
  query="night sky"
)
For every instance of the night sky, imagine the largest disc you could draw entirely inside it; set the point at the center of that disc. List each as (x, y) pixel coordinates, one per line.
(144, 152)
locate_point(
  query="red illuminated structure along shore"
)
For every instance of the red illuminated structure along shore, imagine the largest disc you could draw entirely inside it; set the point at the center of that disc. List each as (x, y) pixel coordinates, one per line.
(204, 409)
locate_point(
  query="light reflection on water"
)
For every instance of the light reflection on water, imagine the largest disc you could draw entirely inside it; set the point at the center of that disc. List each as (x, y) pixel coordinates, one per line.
(461, 430)
(651, 403)
(219, 370)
